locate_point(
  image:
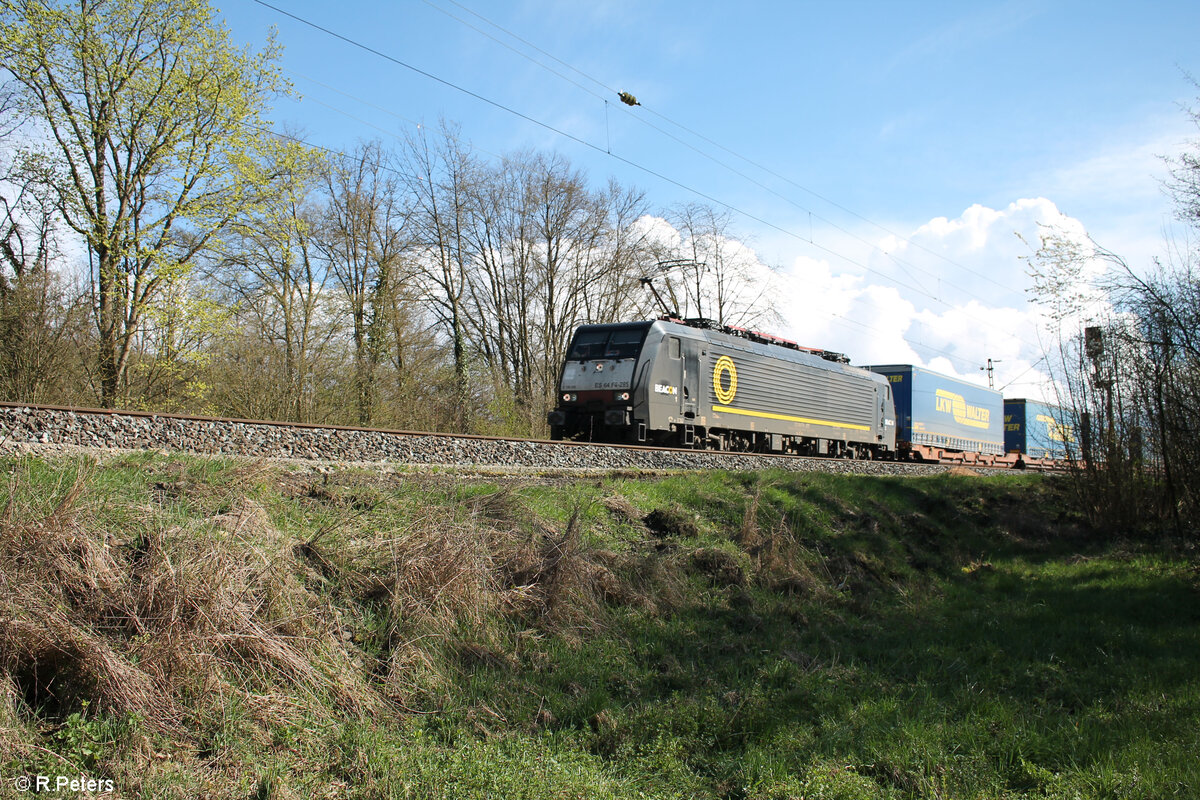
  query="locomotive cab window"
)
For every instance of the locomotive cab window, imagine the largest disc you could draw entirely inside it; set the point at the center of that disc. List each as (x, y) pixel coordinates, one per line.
(624, 343)
(589, 344)
(673, 347)
(607, 343)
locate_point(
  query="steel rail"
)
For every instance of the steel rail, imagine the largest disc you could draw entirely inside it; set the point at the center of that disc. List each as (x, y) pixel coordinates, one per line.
(399, 432)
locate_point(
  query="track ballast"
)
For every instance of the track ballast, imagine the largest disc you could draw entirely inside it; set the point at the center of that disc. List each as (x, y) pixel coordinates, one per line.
(24, 427)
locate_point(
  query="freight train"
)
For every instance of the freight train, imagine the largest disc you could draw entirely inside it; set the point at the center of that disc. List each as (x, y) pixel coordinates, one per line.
(697, 384)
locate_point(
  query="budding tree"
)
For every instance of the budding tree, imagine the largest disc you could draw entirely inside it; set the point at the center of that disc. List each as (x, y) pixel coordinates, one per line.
(1130, 356)
(149, 115)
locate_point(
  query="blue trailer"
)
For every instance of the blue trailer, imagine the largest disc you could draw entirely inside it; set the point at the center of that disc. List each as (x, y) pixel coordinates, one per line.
(1037, 430)
(937, 412)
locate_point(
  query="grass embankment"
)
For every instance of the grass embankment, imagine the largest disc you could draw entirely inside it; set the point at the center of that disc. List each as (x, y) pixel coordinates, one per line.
(190, 627)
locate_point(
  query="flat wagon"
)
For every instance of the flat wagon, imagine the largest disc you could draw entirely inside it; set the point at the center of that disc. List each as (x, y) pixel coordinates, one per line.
(940, 418)
(1037, 431)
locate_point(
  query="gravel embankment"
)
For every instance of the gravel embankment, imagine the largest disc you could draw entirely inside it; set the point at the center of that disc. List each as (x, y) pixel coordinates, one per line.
(25, 427)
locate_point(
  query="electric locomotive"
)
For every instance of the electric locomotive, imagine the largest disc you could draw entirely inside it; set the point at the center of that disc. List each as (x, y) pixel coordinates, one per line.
(694, 383)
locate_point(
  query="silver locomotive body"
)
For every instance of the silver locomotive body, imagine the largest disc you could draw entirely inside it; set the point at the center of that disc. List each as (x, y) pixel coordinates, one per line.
(699, 385)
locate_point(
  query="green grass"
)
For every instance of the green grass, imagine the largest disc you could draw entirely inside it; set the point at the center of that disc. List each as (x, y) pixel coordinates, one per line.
(797, 636)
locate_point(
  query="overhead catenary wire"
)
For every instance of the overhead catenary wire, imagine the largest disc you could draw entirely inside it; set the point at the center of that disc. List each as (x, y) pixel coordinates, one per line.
(505, 45)
(1023, 374)
(905, 266)
(627, 161)
(650, 110)
(632, 101)
(382, 109)
(837, 319)
(587, 144)
(430, 75)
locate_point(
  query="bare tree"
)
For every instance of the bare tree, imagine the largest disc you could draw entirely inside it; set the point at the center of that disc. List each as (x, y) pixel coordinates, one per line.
(439, 177)
(714, 275)
(1162, 344)
(532, 227)
(274, 277)
(546, 254)
(1184, 183)
(363, 241)
(613, 287)
(1129, 378)
(38, 314)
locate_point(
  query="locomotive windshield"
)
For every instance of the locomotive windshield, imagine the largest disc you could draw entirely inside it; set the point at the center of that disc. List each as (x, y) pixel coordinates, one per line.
(607, 343)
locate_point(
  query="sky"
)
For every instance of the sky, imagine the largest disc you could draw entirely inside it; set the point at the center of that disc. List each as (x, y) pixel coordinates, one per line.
(891, 162)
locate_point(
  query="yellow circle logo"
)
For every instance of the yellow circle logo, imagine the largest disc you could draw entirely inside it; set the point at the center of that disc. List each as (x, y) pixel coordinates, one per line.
(725, 392)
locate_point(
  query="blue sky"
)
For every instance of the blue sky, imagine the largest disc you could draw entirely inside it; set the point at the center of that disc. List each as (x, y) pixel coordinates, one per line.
(953, 126)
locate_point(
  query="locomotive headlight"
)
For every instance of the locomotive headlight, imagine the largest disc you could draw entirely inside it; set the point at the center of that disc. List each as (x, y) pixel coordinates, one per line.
(570, 397)
(621, 396)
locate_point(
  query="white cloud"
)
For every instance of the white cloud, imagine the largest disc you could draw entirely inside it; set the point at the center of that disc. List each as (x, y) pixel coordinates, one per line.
(979, 254)
(658, 232)
(1125, 170)
(949, 297)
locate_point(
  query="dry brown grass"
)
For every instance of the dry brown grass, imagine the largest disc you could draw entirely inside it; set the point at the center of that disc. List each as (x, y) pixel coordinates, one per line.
(458, 583)
(146, 621)
(622, 509)
(61, 588)
(187, 624)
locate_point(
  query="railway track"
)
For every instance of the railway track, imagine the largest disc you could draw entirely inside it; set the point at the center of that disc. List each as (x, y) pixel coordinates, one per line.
(39, 427)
